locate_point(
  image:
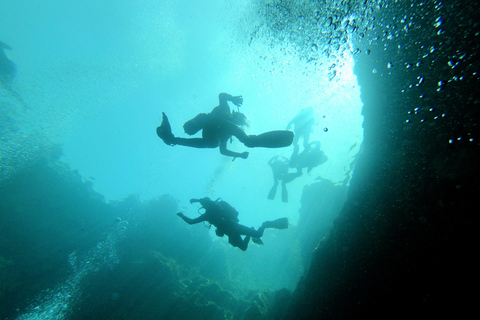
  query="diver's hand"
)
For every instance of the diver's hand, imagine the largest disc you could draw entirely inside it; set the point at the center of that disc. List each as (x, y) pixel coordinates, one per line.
(237, 100)
(244, 155)
(180, 215)
(194, 200)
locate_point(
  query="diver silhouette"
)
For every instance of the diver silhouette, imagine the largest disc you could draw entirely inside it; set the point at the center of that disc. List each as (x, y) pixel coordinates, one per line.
(309, 158)
(225, 218)
(280, 167)
(219, 126)
(303, 124)
(8, 71)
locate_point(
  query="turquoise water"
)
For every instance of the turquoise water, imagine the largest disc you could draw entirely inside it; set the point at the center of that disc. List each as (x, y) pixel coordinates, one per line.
(94, 77)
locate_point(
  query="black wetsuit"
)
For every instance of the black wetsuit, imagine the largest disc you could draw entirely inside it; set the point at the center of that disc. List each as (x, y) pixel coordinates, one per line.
(218, 213)
(218, 127)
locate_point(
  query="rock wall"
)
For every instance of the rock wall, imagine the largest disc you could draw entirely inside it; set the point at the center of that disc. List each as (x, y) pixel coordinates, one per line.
(405, 241)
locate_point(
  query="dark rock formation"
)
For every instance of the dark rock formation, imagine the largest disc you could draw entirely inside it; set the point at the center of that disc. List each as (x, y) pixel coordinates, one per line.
(45, 215)
(405, 241)
(66, 253)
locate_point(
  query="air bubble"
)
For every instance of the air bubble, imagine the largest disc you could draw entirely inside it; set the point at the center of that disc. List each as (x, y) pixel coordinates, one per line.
(325, 129)
(332, 75)
(389, 65)
(452, 64)
(420, 80)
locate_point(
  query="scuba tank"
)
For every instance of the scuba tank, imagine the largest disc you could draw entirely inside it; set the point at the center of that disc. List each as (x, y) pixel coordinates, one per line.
(230, 213)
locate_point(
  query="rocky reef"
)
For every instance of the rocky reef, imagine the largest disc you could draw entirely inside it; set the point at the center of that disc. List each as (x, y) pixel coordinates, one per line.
(66, 253)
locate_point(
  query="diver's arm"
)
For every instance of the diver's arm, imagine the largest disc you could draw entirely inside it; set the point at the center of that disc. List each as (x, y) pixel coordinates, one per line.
(192, 221)
(224, 97)
(229, 153)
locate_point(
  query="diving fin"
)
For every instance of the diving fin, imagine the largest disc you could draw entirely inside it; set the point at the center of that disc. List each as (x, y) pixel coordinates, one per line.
(164, 132)
(281, 223)
(273, 191)
(271, 139)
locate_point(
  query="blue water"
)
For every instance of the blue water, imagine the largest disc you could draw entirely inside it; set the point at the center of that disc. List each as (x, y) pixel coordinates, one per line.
(95, 76)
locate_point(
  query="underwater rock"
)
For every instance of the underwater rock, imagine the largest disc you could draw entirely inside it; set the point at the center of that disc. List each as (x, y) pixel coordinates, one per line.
(402, 244)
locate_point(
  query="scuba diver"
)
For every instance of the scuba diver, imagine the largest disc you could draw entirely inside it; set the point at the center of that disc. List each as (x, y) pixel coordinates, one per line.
(303, 124)
(8, 71)
(280, 166)
(309, 158)
(219, 126)
(225, 218)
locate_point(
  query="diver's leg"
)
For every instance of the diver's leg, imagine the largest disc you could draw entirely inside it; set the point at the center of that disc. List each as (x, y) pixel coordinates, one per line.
(194, 142)
(284, 192)
(196, 124)
(271, 139)
(237, 241)
(281, 223)
(236, 131)
(273, 191)
(250, 233)
(164, 132)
